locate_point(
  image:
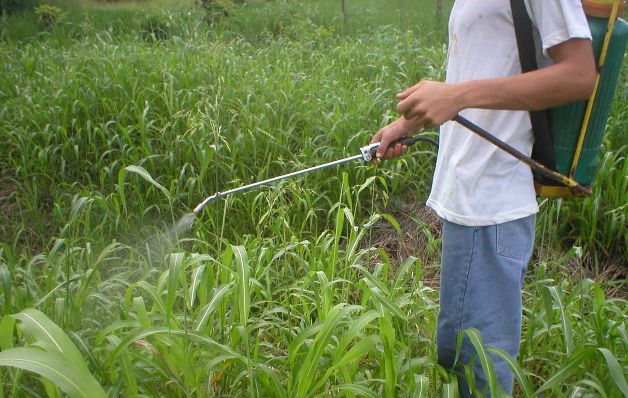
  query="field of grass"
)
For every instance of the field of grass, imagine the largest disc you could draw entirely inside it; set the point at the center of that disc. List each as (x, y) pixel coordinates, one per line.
(120, 120)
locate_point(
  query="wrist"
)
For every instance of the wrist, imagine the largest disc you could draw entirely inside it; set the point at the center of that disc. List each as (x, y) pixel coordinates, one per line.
(463, 97)
(485, 94)
(407, 125)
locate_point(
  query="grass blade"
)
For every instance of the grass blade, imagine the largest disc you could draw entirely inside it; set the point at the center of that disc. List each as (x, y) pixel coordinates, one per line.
(421, 386)
(7, 326)
(273, 381)
(450, 389)
(56, 367)
(308, 368)
(146, 175)
(144, 333)
(298, 341)
(158, 301)
(401, 272)
(7, 285)
(244, 296)
(197, 274)
(615, 369)
(387, 332)
(361, 348)
(355, 328)
(209, 308)
(485, 360)
(356, 389)
(516, 370)
(174, 272)
(568, 368)
(38, 328)
(566, 326)
(140, 311)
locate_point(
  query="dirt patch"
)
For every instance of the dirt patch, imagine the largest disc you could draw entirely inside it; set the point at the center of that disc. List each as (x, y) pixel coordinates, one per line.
(420, 236)
(8, 206)
(7, 196)
(611, 273)
(615, 274)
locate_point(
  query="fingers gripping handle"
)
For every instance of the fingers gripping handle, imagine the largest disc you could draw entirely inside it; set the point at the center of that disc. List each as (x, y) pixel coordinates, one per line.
(413, 140)
(369, 151)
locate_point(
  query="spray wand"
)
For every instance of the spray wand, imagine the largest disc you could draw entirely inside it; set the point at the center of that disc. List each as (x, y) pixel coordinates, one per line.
(367, 154)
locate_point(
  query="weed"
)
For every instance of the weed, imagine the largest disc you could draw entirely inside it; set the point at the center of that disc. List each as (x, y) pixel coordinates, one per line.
(49, 16)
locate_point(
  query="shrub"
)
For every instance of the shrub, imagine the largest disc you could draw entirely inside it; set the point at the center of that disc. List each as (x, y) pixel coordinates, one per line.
(216, 10)
(49, 16)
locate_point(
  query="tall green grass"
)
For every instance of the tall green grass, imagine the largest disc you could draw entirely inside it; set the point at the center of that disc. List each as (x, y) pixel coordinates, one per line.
(271, 321)
(107, 138)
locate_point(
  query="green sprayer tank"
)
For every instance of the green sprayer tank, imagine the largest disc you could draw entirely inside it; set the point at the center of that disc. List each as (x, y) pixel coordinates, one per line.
(566, 121)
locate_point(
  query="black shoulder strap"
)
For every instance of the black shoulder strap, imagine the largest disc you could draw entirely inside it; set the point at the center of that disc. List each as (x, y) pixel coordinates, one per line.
(543, 150)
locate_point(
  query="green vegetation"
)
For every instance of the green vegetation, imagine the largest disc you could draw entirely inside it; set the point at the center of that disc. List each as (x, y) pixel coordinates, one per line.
(119, 120)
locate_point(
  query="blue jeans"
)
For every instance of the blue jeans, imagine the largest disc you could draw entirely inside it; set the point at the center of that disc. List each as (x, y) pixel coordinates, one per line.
(482, 274)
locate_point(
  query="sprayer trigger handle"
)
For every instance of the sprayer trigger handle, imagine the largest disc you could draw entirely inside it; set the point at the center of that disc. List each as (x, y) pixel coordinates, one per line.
(407, 140)
(369, 151)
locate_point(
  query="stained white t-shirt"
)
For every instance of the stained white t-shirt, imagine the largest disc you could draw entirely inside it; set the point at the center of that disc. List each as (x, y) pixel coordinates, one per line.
(475, 183)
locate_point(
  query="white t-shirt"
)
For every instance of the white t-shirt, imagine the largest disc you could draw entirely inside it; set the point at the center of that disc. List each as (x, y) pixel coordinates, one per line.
(475, 183)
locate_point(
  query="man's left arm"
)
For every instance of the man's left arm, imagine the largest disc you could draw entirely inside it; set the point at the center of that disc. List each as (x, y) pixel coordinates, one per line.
(429, 103)
(570, 78)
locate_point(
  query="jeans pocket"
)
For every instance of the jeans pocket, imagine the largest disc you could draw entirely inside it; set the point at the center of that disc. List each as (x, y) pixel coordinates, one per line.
(515, 238)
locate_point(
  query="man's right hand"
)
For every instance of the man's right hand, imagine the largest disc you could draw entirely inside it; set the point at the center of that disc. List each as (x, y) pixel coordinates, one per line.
(390, 133)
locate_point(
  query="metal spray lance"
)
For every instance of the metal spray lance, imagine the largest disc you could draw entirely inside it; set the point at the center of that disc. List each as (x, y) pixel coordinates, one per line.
(367, 153)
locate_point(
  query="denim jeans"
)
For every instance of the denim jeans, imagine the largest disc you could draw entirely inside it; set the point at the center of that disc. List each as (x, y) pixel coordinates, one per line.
(482, 274)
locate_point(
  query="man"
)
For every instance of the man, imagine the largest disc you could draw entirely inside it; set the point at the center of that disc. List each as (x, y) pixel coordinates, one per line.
(485, 196)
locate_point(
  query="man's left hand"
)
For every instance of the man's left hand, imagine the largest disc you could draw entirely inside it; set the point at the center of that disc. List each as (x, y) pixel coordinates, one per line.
(429, 103)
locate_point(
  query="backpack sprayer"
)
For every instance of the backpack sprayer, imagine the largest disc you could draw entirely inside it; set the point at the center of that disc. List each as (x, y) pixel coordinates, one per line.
(568, 139)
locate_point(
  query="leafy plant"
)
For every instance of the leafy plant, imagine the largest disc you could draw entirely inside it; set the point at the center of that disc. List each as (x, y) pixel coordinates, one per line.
(216, 10)
(48, 352)
(49, 16)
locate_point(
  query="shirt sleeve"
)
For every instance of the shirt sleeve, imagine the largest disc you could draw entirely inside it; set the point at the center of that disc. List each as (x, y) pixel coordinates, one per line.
(558, 21)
